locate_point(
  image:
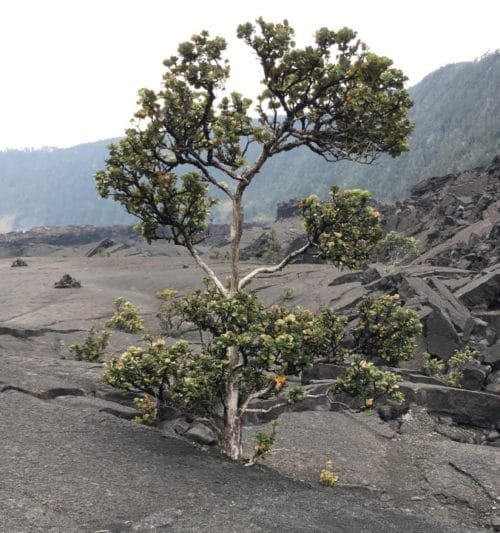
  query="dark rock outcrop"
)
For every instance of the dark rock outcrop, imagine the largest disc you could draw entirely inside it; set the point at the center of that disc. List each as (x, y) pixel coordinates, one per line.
(67, 282)
(19, 263)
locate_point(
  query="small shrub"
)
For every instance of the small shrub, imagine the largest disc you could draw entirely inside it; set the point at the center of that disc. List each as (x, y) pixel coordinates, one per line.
(386, 330)
(126, 317)
(264, 442)
(452, 371)
(93, 348)
(288, 293)
(149, 409)
(395, 247)
(167, 310)
(327, 477)
(295, 395)
(368, 382)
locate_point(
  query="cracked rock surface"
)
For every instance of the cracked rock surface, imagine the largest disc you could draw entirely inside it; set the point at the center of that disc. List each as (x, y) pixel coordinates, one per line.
(71, 460)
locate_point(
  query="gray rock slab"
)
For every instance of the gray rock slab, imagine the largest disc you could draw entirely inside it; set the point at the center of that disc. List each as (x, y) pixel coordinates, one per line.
(77, 470)
(479, 409)
(482, 292)
(372, 460)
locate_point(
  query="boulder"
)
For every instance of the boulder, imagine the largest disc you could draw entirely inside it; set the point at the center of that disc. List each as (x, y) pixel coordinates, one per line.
(474, 376)
(440, 297)
(201, 434)
(321, 372)
(67, 282)
(480, 409)
(440, 336)
(101, 247)
(482, 292)
(19, 263)
(493, 382)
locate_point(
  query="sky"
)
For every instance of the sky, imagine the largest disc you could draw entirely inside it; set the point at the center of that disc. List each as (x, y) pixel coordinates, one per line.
(71, 69)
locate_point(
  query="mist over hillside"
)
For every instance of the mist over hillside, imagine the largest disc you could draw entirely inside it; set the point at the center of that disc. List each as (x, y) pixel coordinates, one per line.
(457, 126)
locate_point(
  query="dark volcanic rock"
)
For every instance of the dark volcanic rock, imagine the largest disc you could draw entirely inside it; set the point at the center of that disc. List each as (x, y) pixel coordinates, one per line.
(19, 263)
(478, 409)
(67, 282)
(288, 209)
(482, 292)
(455, 218)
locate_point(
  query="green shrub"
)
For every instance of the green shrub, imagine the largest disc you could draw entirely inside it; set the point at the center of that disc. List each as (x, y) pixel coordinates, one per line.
(395, 247)
(288, 293)
(264, 442)
(148, 406)
(93, 348)
(126, 317)
(386, 330)
(450, 372)
(366, 381)
(327, 477)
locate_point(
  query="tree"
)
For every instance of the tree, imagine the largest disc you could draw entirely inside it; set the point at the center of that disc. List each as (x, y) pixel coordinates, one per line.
(334, 97)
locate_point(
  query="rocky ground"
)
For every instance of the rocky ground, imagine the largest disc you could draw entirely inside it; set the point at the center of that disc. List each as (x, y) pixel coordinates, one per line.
(71, 459)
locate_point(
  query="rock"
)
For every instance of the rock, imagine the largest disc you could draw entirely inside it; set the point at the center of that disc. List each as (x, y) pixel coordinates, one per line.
(67, 282)
(482, 292)
(493, 382)
(474, 376)
(441, 337)
(493, 435)
(479, 409)
(495, 523)
(201, 434)
(372, 273)
(288, 209)
(491, 355)
(348, 277)
(322, 371)
(438, 296)
(181, 426)
(19, 263)
(101, 247)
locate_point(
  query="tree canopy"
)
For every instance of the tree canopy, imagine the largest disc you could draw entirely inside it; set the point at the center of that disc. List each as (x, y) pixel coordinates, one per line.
(334, 98)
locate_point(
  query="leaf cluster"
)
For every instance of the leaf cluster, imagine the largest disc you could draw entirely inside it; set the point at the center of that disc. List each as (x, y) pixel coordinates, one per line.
(450, 372)
(126, 317)
(93, 347)
(385, 330)
(172, 375)
(366, 381)
(344, 229)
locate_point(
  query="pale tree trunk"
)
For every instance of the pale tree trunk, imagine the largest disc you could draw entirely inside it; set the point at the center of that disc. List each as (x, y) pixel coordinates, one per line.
(231, 435)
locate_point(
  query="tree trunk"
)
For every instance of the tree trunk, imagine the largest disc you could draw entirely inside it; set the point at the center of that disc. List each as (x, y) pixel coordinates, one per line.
(236, 232)
(231, 435)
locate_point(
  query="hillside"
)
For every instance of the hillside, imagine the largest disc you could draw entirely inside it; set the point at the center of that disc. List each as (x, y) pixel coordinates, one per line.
(457, 116)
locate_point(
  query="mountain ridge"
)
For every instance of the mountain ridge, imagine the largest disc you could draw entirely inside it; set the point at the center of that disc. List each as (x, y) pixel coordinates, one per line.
(457, 116)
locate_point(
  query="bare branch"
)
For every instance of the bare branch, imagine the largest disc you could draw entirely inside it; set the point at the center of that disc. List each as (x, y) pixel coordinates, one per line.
(270, 269)
(208, 271)
(268, 410)
(262, 392)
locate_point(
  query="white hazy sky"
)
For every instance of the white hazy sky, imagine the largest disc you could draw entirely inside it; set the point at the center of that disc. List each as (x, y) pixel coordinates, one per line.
(70, 69)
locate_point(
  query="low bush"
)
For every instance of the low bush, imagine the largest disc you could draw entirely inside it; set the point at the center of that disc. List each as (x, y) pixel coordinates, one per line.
(126, 317)
(450, 372)
(93, 348)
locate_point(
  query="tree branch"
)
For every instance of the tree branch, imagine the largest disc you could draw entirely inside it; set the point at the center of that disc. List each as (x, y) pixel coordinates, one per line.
(262, 392)
(208, 271)
(270, 269)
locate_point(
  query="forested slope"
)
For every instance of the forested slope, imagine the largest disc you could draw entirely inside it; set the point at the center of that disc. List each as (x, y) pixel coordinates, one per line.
(457, 126)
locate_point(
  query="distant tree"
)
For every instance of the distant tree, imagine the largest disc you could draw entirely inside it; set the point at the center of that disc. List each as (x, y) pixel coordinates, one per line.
(335, 98)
